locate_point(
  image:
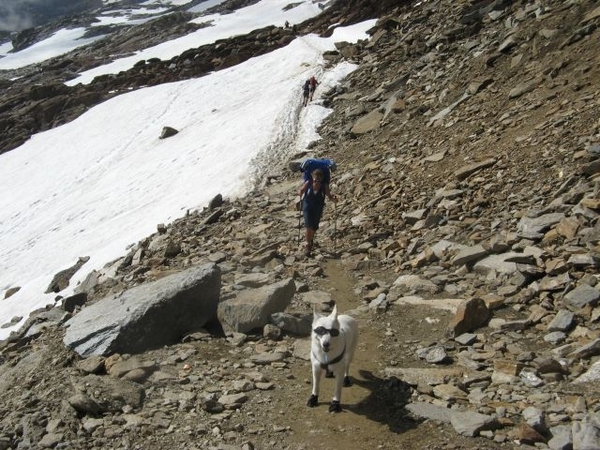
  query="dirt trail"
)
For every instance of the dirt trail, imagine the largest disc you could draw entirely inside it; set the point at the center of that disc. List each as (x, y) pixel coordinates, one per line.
(373, 415)
(365, 422)
(317, 428)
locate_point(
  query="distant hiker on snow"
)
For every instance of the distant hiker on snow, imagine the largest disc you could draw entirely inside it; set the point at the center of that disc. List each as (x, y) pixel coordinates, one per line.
(312, 86)
(305, 92)
(313, 193)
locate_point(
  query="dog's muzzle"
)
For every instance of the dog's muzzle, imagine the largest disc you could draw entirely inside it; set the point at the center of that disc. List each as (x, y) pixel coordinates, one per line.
(325, 365)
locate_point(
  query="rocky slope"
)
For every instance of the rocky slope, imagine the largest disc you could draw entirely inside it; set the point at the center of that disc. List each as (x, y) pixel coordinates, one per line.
(465, 242)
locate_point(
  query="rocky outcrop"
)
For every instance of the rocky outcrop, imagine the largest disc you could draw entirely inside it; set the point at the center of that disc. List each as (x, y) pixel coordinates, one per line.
(61, 280)
(147, 316)
(251, 309)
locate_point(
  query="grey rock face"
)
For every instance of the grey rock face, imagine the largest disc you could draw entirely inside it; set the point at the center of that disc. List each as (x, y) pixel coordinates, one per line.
(252, 308)
(150, 315)
(472, 423)
(582, 296)
(586, 434)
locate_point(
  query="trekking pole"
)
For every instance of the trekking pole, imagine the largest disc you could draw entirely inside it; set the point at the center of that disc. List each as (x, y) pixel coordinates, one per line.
(335, 218)
(299, 217)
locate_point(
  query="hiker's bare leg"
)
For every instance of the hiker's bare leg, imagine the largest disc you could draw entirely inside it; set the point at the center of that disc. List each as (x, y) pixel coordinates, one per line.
(310, 235)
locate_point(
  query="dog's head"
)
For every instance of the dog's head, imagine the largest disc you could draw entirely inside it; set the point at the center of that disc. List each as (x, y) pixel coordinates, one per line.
(325, 329)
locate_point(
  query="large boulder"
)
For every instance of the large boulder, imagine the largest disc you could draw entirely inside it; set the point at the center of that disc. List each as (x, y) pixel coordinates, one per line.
(147, 316)
(252, 308)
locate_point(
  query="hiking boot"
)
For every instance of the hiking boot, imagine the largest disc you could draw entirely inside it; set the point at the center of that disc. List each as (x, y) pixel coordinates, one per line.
(308, 248)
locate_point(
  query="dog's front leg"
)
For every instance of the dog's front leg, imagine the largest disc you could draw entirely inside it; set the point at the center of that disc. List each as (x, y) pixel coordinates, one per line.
(316, 381)
(335, 405)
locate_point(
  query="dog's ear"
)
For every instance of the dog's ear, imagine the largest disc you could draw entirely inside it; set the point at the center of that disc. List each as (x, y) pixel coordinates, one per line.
(316, 315)
(334, 312)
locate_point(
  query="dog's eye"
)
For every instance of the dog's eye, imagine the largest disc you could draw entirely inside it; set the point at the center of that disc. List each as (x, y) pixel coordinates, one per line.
(320, 331)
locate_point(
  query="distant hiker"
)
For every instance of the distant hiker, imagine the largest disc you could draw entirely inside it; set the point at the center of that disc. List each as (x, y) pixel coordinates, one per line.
(313, 193)
(305, 92)
(312, 86)
(287, 24)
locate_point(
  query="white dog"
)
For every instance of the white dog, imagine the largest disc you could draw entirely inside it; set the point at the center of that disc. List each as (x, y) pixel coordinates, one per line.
(332, 348)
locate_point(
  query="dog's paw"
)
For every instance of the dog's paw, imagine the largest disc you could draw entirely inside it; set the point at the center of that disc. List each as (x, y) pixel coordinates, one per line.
(312, 401)
(335, 407)
(347, 382)
(329, 374)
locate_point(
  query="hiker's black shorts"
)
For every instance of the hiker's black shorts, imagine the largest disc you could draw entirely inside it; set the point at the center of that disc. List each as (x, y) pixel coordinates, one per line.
(312, 216)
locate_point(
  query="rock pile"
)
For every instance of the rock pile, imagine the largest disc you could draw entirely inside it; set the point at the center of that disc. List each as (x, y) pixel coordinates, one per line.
(467, 149)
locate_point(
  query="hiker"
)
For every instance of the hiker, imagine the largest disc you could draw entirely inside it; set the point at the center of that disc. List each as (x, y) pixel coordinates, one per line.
(305, 92)
(313, 193)
(312, 86)
(287, 24)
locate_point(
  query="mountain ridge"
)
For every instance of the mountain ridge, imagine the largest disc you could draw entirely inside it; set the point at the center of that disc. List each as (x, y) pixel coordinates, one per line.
(36, 99)
(18, 16)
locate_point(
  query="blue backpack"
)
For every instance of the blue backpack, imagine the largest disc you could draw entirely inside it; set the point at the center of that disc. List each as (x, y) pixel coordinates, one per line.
(309, 165)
